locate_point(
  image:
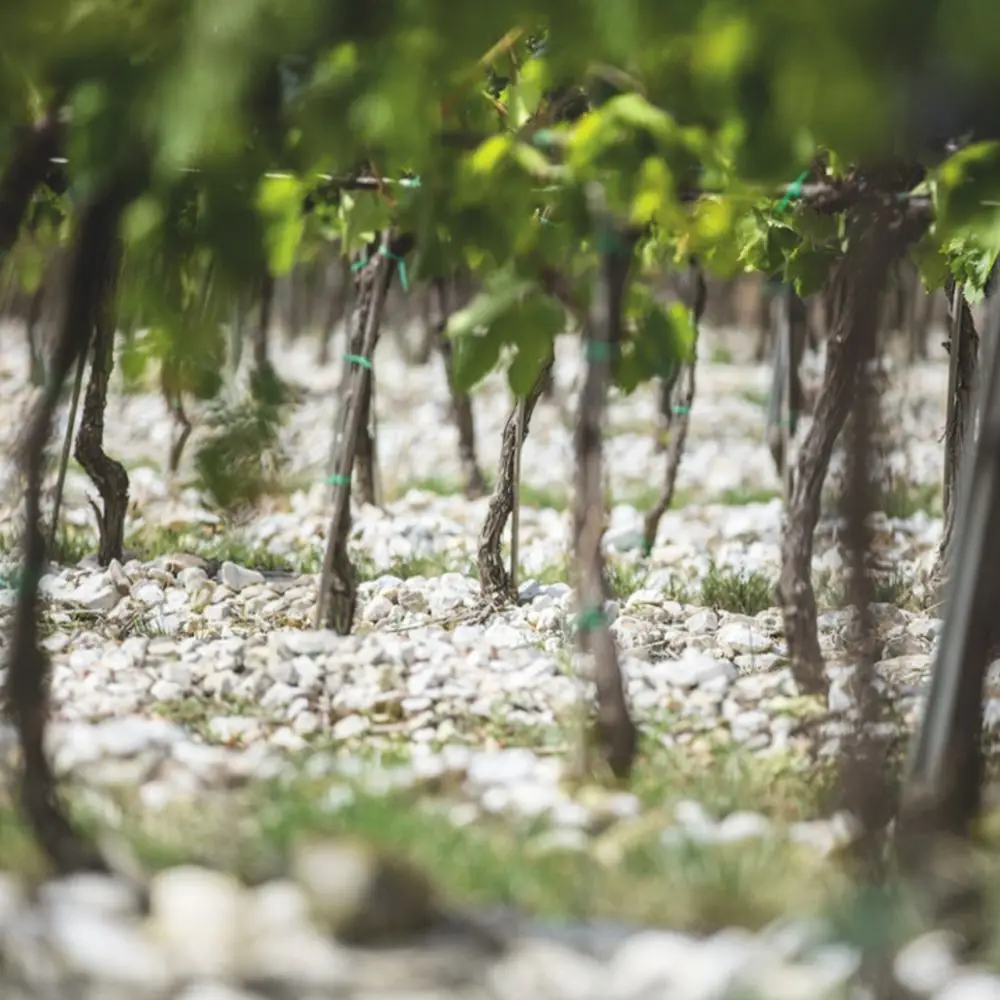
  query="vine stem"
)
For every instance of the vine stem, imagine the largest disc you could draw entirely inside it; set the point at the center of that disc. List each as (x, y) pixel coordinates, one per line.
(67, 447)
(515, 515)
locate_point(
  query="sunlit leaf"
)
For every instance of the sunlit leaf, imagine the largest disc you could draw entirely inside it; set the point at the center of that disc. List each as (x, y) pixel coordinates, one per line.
(533, 327)
(809, 269)
(279, 200)
(474, 356)
(486, 158)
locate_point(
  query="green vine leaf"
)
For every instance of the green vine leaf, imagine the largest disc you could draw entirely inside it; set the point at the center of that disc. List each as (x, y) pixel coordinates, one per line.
(809, 269)
(532, 326)
(662, 340)
(474, 356)
(279, 201)
(931, 261)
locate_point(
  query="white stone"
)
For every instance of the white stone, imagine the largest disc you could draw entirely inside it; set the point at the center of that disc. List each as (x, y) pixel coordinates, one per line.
(96, 597)
(740, 826)
(108, 951)
(503, 636)
(378, 608)
(695, 668)
(149, 594)
(166, 691)
(649, 964)
(927, 963)
(198, 915)
(238, 578)
(228, 728)
(971, 985)
(540, 969)
(102, 895)
(742, 638)
(501, 767)
(702, 621)
(350, 727)
(192, 578)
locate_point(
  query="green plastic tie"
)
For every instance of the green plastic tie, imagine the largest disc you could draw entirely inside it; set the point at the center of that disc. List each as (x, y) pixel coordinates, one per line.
(400, 266)
(611, 244)
(358, 359)
(600, 351)
(409, 182)
(791, 423)
(395, 258)
(339, 480)
(590, 620)
(682, 411)
(794, 190)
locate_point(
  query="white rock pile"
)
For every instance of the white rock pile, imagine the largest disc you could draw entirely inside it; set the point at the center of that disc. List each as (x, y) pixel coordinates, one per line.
(179, 678)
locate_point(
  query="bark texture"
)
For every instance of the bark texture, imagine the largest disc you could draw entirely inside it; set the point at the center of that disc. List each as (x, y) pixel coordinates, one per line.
(108, 475)
(854, 295)
(963, 357)
(27, 665)
(615, 731)
(494, 580)
(338, 583)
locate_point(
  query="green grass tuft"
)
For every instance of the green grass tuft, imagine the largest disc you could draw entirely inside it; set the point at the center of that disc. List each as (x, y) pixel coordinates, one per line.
(738, 591)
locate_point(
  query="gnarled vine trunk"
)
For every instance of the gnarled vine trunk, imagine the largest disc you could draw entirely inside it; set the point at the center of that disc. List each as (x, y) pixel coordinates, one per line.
(365, 455)
(27, 664)
(864, 767)
(338, 584)
(108, 475)
(494, 580)
(616, 732)
(854, 295)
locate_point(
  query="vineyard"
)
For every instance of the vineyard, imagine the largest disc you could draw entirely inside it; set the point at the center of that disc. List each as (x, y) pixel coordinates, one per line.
(498, 501)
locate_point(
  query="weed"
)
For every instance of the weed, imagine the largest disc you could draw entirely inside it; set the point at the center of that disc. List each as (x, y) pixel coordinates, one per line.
(558, 572)
(830, 590)
(756, 397)
(150, 543)
(739, 591)
(541, 497)
(621, 871)
(904, 499)
(405, 568)
(740, 496)
(240, 460)
(896, 589)
(644, 497)
(624, 579)
(438, 485)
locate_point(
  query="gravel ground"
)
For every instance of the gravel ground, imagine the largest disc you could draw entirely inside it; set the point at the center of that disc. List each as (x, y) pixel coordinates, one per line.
(184, 678)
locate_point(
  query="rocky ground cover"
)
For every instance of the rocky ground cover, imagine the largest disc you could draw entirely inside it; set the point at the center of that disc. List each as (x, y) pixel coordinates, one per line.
(412, 810)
